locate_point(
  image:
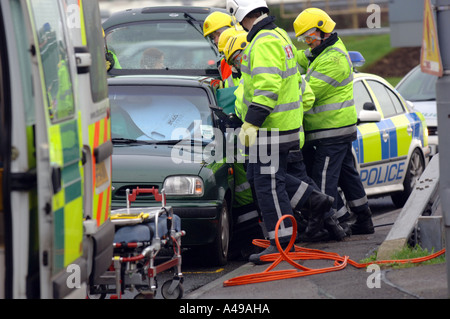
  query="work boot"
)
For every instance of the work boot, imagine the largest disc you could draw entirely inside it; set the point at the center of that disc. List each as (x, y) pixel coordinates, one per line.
(363, 223)
(318, 204)
(272, 249)
(333, 227)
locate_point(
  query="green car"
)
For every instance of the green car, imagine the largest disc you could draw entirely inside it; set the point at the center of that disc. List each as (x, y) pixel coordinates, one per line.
(166, 136)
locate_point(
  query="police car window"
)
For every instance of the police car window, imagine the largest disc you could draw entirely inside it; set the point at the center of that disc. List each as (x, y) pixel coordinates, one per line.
(382, 95)
(361, 95)
(55, 62)
(396, 101)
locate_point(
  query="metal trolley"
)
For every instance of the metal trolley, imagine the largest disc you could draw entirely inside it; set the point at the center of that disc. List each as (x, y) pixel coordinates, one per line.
(147, 242)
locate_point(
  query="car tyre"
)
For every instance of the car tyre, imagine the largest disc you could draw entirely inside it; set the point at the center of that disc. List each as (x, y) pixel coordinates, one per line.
(416, 167)
(218, 250)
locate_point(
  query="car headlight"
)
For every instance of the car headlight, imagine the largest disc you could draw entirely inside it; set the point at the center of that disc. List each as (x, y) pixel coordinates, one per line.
(183, 185)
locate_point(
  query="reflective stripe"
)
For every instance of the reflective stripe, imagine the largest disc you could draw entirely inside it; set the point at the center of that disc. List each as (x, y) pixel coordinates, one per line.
(331, 107)
(278, 138)
(324, 174)
(271, 70)
(247, 216)
(282, 232)
(358, 202)
(328, 79)
(286, 107)
(331, 133)
(229, 81)
(268, 94)
(242, 187)
(298, 194)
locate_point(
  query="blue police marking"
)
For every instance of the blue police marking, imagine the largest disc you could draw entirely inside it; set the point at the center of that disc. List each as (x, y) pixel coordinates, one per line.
(383, 174)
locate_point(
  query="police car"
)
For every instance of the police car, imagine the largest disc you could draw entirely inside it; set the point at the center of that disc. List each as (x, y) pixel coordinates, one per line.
(392, 145)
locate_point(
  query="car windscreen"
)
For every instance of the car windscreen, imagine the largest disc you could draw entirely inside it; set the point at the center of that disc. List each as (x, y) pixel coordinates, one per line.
(418, 86)
(166, 45)
(160, 113)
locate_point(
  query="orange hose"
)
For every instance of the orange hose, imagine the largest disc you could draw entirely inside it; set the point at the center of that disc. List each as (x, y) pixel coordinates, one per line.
(301, 253)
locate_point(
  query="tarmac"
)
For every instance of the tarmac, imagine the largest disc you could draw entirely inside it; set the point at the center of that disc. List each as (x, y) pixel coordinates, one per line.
(384, 282)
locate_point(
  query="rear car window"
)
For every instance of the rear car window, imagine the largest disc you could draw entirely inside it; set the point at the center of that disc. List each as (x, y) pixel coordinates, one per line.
(161, 45)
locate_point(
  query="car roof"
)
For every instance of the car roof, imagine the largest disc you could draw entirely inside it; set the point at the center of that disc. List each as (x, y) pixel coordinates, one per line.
(158, 13)
(164, 80)
(362, 75)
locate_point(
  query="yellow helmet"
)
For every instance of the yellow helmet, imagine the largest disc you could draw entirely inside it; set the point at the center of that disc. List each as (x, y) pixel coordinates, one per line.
(216, 21)
(313, 18)
(235, 44)
(226, 35)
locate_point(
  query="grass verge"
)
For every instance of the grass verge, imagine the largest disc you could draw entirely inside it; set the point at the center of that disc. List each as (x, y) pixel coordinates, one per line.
(408, 252)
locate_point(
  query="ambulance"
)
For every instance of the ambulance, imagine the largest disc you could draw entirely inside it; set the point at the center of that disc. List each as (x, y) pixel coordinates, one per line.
(55, 149)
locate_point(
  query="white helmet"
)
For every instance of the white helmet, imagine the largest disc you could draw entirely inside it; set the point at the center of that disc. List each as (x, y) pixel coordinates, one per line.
(240, 8)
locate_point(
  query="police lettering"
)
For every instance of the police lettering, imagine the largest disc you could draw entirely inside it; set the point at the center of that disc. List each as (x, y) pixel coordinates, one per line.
(382, 174)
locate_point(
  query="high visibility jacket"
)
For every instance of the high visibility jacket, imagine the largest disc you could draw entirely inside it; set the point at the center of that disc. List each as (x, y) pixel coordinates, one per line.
(307, 99)
(271, 84)
(330, 75)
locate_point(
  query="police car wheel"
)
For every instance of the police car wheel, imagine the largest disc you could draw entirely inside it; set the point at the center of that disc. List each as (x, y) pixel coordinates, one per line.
(416, 167)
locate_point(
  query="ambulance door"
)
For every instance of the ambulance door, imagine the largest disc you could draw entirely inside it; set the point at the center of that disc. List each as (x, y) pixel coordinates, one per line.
(63, 271)
(19, 233)
(85, 27)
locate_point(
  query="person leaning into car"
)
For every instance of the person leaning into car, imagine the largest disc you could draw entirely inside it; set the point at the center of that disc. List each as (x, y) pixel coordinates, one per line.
(330, 125)
(271, 110)
(213, 26)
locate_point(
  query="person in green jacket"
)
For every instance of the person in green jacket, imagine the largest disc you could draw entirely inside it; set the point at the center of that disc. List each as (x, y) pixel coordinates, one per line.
(330, 125)
(270, 109)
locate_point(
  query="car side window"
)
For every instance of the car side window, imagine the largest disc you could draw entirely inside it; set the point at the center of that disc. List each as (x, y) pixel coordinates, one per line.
(360, 95)
(383, 97)
(395, 100)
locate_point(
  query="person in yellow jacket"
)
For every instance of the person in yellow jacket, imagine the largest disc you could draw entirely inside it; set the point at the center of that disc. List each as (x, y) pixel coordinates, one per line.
(235, 76)
(271, 110)
(330, 125)
(296, 178)
(213, 26)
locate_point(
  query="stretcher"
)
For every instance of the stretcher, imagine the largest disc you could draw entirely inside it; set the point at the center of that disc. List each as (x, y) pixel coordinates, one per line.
(147, 242)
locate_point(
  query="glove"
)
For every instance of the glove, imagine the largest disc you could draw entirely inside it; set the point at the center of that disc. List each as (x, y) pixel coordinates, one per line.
(248, 134)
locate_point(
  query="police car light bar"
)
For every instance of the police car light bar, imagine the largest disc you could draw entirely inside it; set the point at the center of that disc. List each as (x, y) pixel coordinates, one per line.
(356, 58)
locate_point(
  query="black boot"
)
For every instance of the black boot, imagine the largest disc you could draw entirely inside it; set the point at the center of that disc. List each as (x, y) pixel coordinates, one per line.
(363, 224)
(272, 249)
(318, 204)
(333, 227)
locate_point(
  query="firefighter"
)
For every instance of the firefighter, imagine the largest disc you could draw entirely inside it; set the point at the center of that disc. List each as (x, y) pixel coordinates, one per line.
(234, 78)
(270, 109)
(216, 23)
(330, 125)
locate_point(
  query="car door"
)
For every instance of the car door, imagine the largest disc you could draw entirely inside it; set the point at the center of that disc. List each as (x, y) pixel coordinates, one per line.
(382, 147)
(58, 146)
(396, 132)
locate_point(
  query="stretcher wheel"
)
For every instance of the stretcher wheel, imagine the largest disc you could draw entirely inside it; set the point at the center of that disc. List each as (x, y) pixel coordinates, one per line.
(172, 289)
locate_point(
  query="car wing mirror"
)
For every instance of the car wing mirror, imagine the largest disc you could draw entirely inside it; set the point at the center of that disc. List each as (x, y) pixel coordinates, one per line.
(369, 113)
(369, 106)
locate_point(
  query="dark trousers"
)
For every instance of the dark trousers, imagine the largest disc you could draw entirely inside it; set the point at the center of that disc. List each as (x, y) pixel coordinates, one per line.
(333, 165)
(271, 194)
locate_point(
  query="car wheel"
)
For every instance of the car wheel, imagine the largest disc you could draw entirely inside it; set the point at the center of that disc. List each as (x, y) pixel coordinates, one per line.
(218, 250)
(416, 167)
